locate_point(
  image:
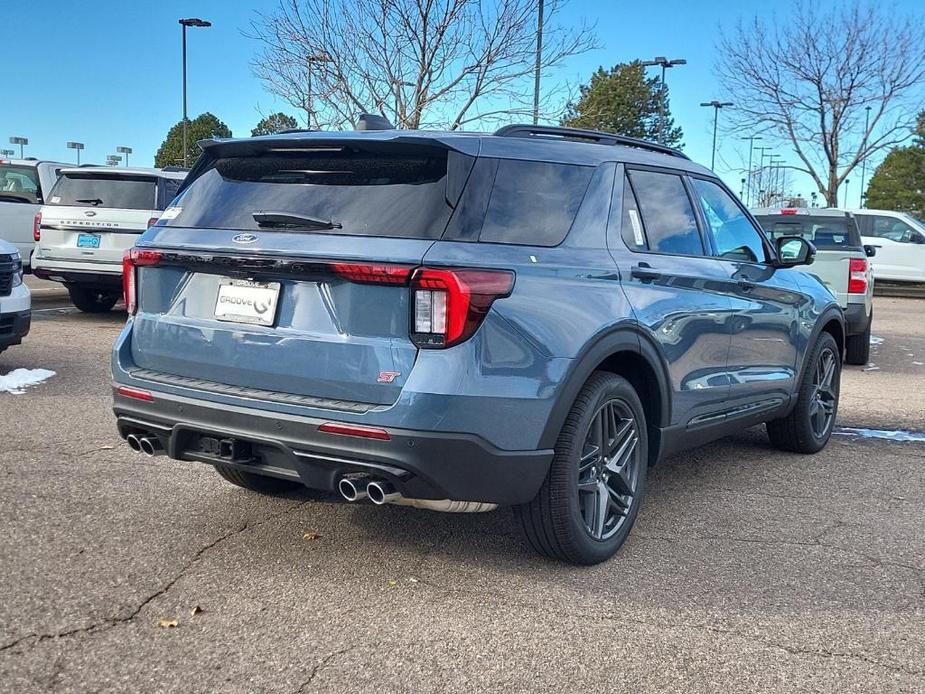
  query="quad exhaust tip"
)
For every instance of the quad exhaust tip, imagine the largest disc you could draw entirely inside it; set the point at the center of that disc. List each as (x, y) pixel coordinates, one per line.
(150, 446)
(352, 488)
(382, 493)
(133, 442)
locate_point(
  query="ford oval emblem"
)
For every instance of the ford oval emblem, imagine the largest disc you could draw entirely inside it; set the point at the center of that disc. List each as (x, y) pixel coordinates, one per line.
(90, 213)
(244, 238)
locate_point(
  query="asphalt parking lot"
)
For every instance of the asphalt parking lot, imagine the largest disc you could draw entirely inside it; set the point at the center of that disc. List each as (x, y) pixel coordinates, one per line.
(749, 569)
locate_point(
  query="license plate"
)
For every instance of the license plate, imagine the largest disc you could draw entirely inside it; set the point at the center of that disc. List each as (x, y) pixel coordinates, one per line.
(88, 241)
(243, 301)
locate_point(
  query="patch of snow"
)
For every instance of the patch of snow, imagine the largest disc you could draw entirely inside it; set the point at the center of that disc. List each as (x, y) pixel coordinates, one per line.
(17, 380)
(889, 434)
(874, 340)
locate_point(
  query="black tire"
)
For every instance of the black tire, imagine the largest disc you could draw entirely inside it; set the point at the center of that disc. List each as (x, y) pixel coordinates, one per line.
(800, 431)
(256, 483)
(857, 347)
(93, 299)
(556, 522)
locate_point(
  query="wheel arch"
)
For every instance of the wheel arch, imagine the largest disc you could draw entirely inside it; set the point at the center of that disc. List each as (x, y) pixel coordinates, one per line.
(627, 353)
(832, 321)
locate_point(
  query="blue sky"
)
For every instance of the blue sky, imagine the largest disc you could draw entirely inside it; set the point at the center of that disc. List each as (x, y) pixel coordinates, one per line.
(107, 72)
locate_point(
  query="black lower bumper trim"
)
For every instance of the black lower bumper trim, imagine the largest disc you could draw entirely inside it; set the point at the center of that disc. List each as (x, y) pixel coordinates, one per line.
(422, 465)
(14, 327)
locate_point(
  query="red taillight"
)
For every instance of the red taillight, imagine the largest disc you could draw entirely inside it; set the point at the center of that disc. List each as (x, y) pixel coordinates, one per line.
(135, 257)
(372, 273)
(37, 227)
(135, 393)
(152, 221)
(355, 430)
(448, 305)
(788, 211)
(857, 276)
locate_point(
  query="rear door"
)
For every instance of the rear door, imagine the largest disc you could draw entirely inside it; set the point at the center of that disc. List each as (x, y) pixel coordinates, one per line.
(900, 247)
(680, 295)
(285, 270)
(767, 303)
(93, 216)
(20, 200)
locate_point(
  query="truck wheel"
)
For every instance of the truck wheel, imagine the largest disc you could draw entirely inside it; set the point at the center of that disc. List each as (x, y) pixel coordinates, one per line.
(596, 482)
(256, 483)
(809, 425)
(857, 348)
(92, 299)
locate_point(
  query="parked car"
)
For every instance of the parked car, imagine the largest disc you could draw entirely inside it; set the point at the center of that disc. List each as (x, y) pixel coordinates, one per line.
(900, 242)
(15, 300)
(23, 184)
(454, 321)
(841, 264)
(92, 216)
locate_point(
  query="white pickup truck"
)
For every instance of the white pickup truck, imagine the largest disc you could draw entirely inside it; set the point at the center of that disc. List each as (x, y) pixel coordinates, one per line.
(15, 301)
(841, 264)
(23, 186)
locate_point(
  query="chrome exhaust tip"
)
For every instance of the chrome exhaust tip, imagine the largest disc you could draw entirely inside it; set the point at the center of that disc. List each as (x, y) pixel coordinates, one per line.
(150, 446)
(352, 489)
(382, 493)
(133, 443)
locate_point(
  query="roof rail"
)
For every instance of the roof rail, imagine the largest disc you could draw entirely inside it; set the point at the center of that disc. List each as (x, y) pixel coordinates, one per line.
(580, 134)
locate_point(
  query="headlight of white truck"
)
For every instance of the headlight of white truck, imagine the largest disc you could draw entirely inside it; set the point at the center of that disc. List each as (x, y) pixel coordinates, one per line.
(17, 270)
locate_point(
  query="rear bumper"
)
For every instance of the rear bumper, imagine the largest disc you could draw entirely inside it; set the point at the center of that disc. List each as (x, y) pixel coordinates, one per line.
(421, 464)
(14, 327)
(75, 272)
(857, 318)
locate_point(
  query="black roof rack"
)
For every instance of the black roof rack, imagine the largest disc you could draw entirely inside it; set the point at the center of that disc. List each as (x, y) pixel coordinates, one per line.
(579, 134)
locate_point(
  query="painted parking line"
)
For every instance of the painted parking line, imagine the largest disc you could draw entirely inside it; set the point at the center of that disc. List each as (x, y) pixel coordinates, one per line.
(888, 434)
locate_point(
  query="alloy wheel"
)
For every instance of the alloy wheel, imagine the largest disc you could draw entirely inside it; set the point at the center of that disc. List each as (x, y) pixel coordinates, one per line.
(608, 470)
(825, 393)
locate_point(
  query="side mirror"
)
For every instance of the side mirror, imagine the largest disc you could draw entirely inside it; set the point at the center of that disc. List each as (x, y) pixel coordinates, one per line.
(870, 251)
(793, 251)
(918, 237)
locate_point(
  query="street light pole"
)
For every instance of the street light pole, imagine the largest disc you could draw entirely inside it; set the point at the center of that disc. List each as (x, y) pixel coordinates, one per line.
(664, 63)
(847, 183)
(22, 142)
(717, 105)
(190, 22)
(539, 57)
(126, 151)
(762, 184)
(748, 186)
(864, 160)
(78, 146)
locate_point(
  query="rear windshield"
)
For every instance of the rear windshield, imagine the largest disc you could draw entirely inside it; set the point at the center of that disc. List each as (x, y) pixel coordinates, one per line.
(825, 233)
(19, 184)
(386, 190)
(121, 192)
(402, 192)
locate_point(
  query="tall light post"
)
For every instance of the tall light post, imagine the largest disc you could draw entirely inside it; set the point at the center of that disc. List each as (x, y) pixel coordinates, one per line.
(716, 105)
(748, 187)
(665, 64)
(774, 162)
(76, 146)
(21, 141)
(113, 159)
(309, 104)
(7, 152)
(847, 183)
(539, 58)
(864, 160)
(762, 184)
(190, 22)
(126, 151)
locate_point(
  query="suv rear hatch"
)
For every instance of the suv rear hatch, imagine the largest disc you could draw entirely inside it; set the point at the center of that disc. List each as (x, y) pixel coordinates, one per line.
(93, 215)
(282, 269)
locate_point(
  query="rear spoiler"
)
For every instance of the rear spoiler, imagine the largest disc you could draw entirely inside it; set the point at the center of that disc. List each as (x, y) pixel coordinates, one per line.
(215, 148)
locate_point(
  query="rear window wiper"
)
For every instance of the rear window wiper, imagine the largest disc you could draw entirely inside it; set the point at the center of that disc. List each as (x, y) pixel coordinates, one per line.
(96, 202)
(284, 220)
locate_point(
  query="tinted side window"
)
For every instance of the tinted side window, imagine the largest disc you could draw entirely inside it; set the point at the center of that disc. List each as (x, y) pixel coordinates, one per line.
(634, 234)
(893, 229)
(534, 203)
(667, 214)
(169, 188)
(733, 234)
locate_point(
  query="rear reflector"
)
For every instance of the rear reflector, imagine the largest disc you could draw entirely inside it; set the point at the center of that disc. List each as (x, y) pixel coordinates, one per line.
(135, 393)
(355, 430)
(857, 276)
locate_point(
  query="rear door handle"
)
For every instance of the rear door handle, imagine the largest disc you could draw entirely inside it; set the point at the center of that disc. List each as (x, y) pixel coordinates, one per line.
(644, 273)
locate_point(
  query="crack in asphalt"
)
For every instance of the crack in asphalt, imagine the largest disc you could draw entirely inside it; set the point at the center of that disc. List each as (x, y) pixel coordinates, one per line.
(108, 623)
(320, 665)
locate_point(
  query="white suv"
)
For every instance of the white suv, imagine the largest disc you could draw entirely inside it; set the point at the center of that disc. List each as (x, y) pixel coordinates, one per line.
(23, 186)
(15, 300)
(90, 217)
(900, 242)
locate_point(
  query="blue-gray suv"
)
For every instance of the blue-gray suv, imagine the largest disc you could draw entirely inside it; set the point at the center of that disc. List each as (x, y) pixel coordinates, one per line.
(456, 321)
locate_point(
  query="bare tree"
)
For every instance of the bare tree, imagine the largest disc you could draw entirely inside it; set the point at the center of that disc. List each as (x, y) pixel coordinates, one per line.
(810, 79)
(419, 63)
